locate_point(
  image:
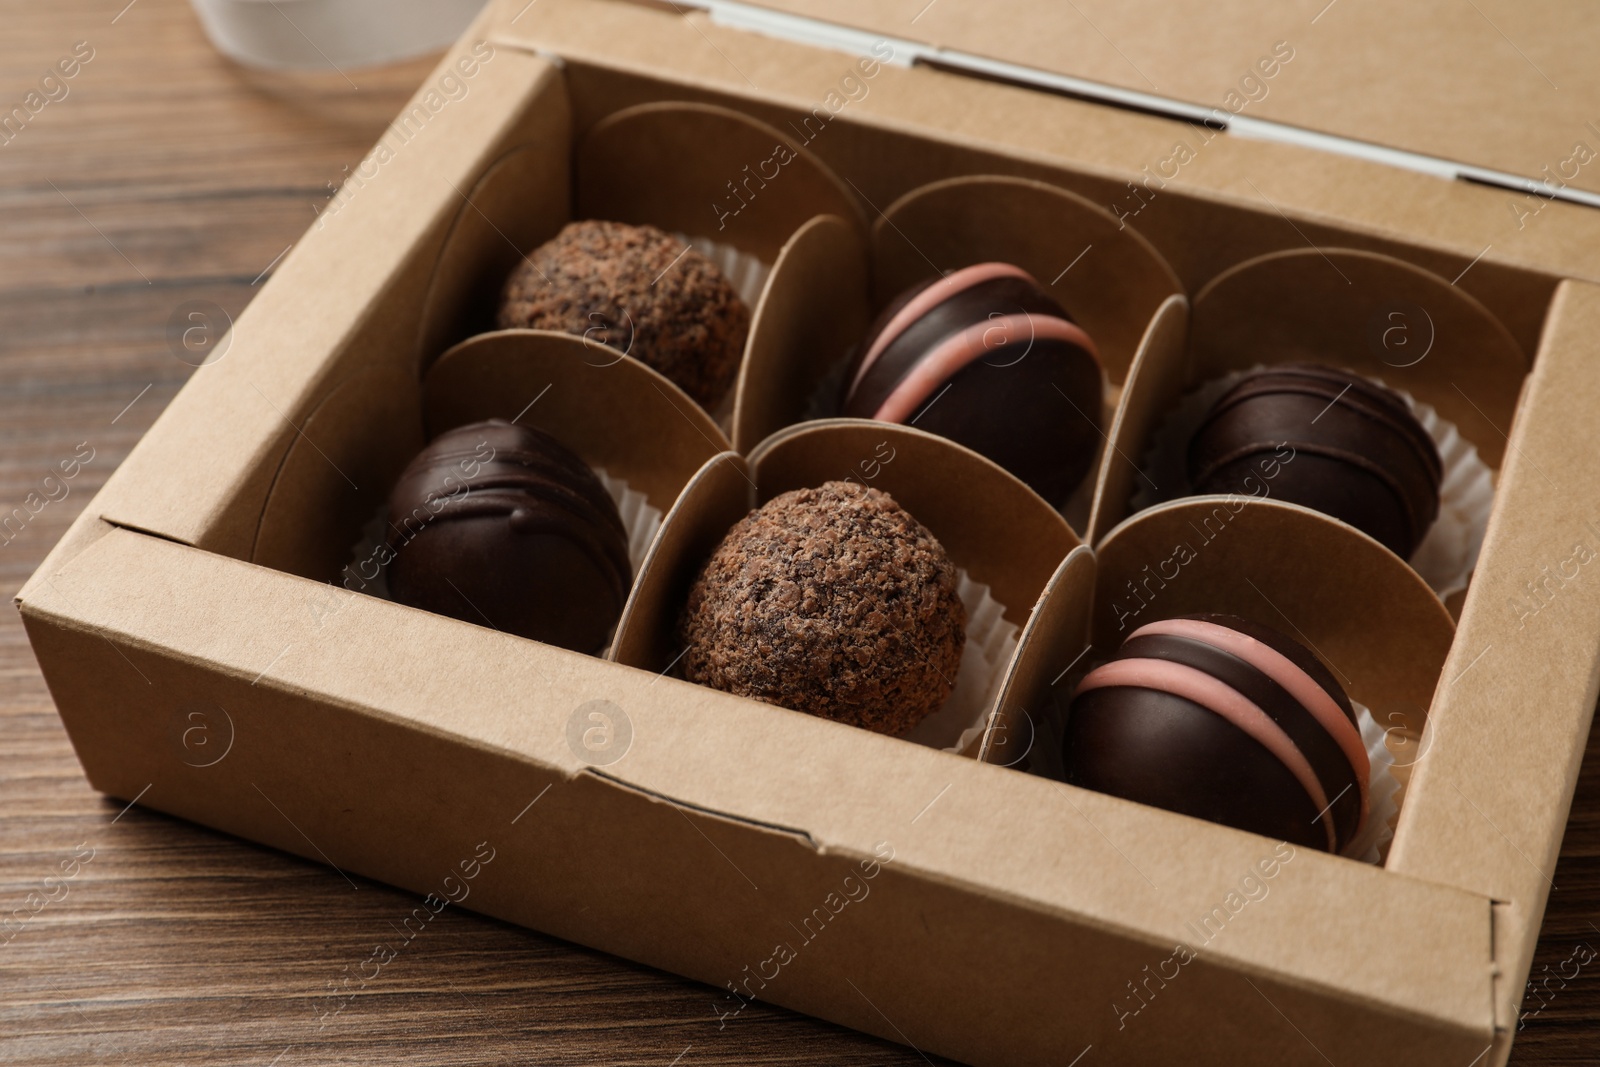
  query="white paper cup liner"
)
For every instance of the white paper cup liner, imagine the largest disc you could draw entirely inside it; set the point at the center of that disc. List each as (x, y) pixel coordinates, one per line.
(991, 640)
(640, 519)
(1448, 552)
(748, 274)
(1371, 845)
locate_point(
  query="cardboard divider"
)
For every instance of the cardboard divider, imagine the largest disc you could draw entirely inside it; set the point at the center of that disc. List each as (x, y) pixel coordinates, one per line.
(814, 309)
(1358, 606)
(1051, 653)
(992, 525)
(1371, 314)
(337, 472)
(520, 202)
(719, 495)
(613, 411)
(1156, 379)
(1103, 272)
(706, 171)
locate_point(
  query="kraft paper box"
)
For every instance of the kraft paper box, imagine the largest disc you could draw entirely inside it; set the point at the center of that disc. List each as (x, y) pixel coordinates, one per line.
(945, 899)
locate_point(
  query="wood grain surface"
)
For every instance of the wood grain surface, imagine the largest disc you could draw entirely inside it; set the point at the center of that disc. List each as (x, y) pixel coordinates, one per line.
(169, 175)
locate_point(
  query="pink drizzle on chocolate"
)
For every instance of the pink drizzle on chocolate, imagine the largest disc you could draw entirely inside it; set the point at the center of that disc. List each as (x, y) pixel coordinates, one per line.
(930, 298)
(990, 337)
(1222, 699)
(1296, 682)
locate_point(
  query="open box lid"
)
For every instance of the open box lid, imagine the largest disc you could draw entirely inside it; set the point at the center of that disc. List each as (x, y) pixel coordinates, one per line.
(1490, 90)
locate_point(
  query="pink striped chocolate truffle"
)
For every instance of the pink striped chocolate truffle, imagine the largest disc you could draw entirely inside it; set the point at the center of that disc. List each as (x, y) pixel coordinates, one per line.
(1226, 720)
(985, 357)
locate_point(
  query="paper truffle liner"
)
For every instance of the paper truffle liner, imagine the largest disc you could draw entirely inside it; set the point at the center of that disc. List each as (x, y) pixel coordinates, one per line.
(748, 275)
(960, 722)
(1004, 540)
(1384, 792)
(1281, 565)
(1449, 551)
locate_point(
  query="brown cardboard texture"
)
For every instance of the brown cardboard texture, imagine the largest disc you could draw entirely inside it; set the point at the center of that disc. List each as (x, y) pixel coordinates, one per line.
(1051, 646)
(703, 171)
(996, 528)
(1493, 780)
(1048, 901)
(611, 410)
(719, 495)
(813, 311)
(338, 473)
(520, 202)
(1157, 364)
(1336, 73)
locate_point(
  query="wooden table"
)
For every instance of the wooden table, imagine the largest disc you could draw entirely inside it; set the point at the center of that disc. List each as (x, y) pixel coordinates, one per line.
(166, 175)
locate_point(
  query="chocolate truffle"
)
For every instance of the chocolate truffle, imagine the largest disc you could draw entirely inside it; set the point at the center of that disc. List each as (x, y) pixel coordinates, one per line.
(639, 290)
(1225, 720)
(504, 526)
(832, 601)
(1358, 453)
(987, 359)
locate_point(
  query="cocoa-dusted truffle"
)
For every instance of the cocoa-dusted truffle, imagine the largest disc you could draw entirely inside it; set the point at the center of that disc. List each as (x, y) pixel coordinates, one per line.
(1227, 720)
(1359, 455)
(504, 526)
(985, 357)
(833, 601)
(640, 291)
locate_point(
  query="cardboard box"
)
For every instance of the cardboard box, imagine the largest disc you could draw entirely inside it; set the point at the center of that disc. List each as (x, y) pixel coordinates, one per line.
(202, 663)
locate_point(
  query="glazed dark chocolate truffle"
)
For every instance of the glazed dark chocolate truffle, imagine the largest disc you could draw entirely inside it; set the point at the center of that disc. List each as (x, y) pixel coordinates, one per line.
(638, 290)
(1225, 720)
(987, 359)
(832, 601)
(1359, 454)
(504, 526)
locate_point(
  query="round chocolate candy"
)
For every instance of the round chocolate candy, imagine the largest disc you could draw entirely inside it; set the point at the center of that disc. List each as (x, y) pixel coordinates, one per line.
(504, 526)
(832, 601)
(641, 291)
(1358, 453)
(985, 357)
(1226, 720)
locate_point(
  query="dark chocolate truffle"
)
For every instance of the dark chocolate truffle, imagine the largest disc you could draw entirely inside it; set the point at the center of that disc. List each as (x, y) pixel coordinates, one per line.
(504, 526)
(1225, 720)
(1359, 454)
(832, 601)
(987, 359)
(641, 291)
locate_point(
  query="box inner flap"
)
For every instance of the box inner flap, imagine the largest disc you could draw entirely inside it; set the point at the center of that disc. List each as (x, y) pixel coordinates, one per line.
(1500, 85)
